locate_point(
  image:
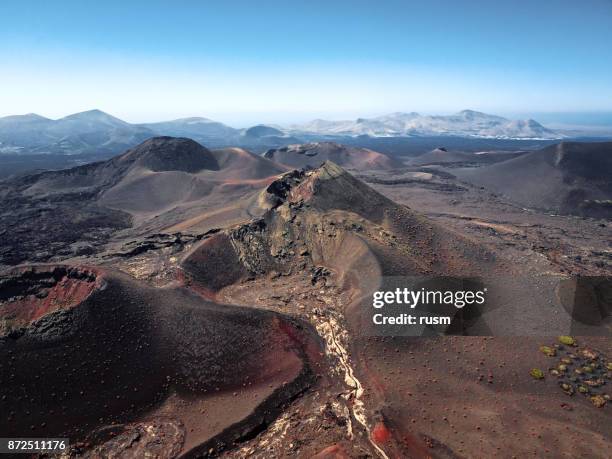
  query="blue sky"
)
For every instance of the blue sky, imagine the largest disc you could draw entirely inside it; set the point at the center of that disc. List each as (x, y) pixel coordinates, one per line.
(287, 61)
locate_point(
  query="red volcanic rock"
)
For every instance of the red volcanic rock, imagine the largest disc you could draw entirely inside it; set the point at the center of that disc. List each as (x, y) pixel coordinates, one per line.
(380, 433)
(33, 292)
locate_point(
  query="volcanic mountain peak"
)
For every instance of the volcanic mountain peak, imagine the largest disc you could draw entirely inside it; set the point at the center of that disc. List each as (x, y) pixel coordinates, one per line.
(525, 124)
(95, 116)
(401, 115)
(193, 120)
(329, 218)
(330, 170)
(263, 130)
(328, 187)
(310, 178)
(473, 114)
(91, 131)
(531, 122)
(27, 118)
(171, 154)
(198, 128)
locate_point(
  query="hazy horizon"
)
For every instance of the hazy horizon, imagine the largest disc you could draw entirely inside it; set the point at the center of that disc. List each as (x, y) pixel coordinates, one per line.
(244, 63)
(556, 120)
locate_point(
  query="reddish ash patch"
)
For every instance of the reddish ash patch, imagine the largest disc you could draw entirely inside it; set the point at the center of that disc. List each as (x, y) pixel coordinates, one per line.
(68, 291)
(304, 191)
(380, 433)
(311, 348)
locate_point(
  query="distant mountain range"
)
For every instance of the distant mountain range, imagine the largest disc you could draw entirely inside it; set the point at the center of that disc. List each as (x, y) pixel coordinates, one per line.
(97, 132)
(88, 132)
(467, 123)
(200, 128)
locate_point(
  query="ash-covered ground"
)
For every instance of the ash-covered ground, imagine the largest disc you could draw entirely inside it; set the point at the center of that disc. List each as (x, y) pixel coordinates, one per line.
(177, 301)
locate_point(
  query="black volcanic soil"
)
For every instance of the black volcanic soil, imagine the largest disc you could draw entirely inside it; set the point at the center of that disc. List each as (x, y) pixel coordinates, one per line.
(529, 237)
(172, 154)
(460, 158)
(66, 226)
(474, 397)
